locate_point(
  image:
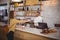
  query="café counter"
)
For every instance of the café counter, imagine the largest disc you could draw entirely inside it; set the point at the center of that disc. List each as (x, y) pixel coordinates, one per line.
(35, 34)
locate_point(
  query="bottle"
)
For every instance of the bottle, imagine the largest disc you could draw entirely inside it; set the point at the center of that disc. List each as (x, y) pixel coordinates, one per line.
(27, 8)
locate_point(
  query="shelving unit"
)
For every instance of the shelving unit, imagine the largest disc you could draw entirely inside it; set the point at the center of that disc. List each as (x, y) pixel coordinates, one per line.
(25, 5)
(29, 10)
(23, 11)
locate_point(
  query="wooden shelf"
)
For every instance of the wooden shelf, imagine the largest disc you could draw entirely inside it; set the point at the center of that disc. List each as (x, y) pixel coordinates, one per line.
(28, 9)
(12, 3)
(34, 5)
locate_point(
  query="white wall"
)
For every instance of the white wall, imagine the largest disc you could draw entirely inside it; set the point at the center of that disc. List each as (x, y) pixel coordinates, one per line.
(51, 13)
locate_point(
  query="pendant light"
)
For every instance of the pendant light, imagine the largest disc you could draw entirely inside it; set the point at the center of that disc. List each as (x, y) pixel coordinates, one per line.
(16, 0)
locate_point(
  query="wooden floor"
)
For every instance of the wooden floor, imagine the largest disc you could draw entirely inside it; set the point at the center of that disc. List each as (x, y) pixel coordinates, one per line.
(4, 37)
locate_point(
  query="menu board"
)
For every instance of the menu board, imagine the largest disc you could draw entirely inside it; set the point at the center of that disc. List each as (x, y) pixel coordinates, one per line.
(31, 2)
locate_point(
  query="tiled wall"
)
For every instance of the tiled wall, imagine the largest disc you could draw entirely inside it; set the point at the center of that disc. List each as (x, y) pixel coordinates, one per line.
(51, 13)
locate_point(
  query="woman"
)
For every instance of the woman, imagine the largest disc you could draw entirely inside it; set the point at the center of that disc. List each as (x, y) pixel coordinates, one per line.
(12, 27)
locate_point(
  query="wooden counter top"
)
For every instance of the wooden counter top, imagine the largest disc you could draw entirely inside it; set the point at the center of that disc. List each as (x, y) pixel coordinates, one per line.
(37, 32)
